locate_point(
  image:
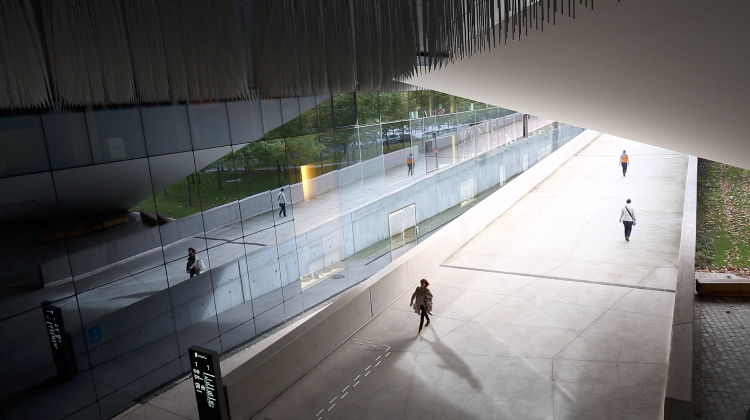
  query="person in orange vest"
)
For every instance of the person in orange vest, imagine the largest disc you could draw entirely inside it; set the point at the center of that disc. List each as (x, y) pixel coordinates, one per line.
(624, 161)
(410, 164)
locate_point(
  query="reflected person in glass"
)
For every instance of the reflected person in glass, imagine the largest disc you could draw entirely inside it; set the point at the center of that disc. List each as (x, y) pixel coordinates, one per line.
(192, 262)
(282, 203)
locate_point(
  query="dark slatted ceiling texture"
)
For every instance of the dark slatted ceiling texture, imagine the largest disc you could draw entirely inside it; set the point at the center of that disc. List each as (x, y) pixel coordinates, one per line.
(92, 52)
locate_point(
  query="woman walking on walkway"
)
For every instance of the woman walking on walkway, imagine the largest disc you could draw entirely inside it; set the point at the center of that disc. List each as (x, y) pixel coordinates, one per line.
(627, 217)
(421, 301)
(624, 161)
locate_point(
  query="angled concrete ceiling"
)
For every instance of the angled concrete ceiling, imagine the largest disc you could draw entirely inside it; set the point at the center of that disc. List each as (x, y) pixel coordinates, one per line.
(672, 73)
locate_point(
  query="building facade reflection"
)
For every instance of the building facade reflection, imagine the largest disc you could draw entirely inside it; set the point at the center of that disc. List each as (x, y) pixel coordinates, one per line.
(100, 207)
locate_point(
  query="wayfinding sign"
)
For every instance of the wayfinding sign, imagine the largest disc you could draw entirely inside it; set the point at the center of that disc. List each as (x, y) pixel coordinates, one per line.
(209, 390)
(59, 341)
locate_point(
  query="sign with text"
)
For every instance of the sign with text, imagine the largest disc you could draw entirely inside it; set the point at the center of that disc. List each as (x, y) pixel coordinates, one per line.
(59, 341)
(209, 390)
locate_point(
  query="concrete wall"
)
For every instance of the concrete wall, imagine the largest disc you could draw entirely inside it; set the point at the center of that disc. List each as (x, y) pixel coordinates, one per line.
(256, 382)
(679, 395)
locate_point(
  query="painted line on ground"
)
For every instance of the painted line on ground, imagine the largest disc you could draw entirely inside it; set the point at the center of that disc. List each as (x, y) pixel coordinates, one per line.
(344, 391)
(539, 276)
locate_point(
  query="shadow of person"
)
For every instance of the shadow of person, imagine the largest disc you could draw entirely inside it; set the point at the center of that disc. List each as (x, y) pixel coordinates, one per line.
(453, 362)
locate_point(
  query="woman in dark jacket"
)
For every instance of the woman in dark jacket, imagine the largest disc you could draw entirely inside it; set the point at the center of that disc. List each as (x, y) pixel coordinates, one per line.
(192, 260)
(421, 301)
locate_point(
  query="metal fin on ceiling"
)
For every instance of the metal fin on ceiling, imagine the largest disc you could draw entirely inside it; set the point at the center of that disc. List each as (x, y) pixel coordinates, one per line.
(91, 52)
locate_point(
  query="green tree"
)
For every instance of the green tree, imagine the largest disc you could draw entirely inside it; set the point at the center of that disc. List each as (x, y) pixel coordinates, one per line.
(304, 150)
(368, 109)
(261, 155)
(344, 109)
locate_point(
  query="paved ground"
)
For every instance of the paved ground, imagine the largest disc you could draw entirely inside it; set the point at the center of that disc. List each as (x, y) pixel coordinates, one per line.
(721, 381)
(548, 313)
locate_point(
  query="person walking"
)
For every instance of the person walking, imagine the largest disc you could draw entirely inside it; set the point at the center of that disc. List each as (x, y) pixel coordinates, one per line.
(627, 217)
(192, 262)
(421, 301)
(282, 203)
(410, 164)
(624, 161)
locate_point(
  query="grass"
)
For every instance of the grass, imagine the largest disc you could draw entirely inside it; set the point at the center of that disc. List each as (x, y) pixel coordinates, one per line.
(723, 230)
(206, 194)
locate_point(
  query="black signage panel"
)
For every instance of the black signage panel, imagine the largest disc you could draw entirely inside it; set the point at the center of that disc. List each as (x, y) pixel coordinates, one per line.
(209, 389)
(59, 341)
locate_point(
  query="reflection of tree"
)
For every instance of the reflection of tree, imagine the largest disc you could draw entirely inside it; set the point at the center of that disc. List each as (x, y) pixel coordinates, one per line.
(394, 106)
(339, 142)
(344, 109)
(260, 154)
(367, 108)
(303, 150)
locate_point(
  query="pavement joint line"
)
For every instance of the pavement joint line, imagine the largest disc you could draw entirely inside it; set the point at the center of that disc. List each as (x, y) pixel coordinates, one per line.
(541, 276)
(344, 391)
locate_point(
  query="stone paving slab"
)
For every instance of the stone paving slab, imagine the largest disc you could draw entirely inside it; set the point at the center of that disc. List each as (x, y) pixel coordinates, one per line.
(721, 383)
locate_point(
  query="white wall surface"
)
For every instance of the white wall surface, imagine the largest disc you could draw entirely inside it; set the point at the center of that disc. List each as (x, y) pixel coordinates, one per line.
(671, 73)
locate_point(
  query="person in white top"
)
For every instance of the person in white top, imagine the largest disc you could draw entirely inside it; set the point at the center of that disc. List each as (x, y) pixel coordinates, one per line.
(282, 203)
(627, 217)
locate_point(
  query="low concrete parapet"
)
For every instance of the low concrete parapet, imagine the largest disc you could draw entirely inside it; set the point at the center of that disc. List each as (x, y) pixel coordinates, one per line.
(679, 395)
(255, 383)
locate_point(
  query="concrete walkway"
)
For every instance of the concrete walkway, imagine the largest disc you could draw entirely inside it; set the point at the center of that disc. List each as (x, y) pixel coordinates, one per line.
(548, 313)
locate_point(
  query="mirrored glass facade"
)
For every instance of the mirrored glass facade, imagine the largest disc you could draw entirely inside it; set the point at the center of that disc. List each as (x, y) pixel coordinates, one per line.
(151, 229)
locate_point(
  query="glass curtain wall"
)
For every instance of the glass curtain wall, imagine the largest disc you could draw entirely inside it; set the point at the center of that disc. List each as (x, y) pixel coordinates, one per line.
(146, 230)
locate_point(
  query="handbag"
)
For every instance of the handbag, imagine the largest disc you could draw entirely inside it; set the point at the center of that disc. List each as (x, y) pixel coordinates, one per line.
(631, 215)
(200, 266)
